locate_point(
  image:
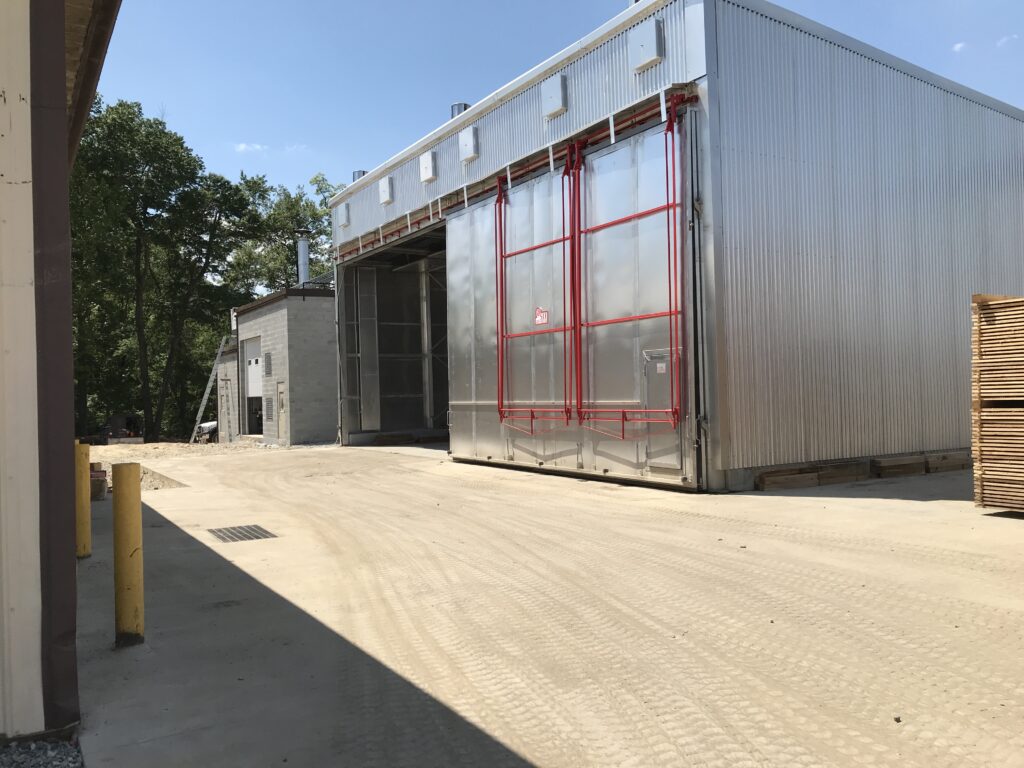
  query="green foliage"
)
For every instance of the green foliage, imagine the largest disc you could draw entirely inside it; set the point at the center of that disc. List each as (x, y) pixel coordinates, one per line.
(161, 251)
(267, 262)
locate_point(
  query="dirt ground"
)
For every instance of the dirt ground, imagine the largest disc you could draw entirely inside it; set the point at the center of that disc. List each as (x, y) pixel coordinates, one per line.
(414, 611)
(146, 453)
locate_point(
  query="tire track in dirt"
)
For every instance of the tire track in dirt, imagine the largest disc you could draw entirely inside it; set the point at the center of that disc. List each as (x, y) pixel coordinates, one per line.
(586, 624)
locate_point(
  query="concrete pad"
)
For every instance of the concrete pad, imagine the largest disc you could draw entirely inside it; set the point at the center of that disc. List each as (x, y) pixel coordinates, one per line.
(414, 611)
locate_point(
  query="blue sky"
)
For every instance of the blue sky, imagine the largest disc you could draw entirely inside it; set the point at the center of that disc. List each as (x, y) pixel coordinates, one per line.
(291, 88)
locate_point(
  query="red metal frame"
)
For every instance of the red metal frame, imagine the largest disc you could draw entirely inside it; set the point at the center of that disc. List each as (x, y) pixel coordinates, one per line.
(534, 412)
(574, 170)
(588, 415)
(574, 325)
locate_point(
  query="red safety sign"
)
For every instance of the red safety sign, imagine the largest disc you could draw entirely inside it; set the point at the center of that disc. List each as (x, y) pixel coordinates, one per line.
(540, 317)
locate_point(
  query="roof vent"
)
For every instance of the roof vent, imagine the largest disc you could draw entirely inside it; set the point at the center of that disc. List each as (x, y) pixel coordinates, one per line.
(386, 190)
(341, 216)
(357, 175)
(646, 44)
(458, 108)
(469, 144)
(428, 166)
(553, 96)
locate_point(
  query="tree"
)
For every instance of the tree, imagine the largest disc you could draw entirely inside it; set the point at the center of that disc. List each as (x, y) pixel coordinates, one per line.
(203, 227)
(161, 251)
(267, 262)
(138, 168)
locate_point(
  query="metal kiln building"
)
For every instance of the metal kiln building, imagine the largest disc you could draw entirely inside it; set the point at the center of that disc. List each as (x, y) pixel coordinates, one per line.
(708, 238)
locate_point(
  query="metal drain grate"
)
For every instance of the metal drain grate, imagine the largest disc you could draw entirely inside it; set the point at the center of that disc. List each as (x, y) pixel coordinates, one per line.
(242, 533)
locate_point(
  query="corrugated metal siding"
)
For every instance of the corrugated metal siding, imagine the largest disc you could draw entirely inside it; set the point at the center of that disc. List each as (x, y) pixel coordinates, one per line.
(599, 83)
(861, 208)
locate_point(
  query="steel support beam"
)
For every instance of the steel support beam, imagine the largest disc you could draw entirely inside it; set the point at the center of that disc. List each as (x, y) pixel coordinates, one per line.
(426, 344)
(369, 362)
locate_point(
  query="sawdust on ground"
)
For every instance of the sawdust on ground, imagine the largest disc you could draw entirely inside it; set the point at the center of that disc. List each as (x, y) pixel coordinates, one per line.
(414, 611)
(108, 455)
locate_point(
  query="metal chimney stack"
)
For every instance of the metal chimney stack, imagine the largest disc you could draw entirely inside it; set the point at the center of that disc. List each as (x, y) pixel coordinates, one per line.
(357, 175)
(303, 248)
(458, 108)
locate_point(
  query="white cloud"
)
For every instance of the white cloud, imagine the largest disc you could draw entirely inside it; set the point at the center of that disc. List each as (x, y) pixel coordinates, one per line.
(959, 47)
(291, 148)
(1007, 39)
(250, 147)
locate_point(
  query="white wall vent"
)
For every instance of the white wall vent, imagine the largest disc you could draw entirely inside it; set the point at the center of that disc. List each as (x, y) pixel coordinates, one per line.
(386, 190)
(428, 166)
(646, 45)
(341, 215)
(553, 96)
(469, 145)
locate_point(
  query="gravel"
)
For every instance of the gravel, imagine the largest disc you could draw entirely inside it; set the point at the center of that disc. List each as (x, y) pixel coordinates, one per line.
(37, 754)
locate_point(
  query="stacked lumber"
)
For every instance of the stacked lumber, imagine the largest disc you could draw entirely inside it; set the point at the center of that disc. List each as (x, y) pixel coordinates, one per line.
(997, 382)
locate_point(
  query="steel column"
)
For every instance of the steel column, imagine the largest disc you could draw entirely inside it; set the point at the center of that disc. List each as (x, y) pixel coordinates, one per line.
(341, 349)
(369, 362)
(426, 344)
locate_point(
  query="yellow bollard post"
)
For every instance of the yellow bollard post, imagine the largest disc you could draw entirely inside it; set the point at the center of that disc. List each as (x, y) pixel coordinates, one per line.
(83, 505)
(129, 604)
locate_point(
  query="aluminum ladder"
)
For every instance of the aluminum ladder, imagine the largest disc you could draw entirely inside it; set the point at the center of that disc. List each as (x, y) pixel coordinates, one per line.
(209, 386)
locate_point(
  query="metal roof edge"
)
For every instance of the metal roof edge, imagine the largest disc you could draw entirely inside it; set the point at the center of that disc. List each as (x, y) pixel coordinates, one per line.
(280, 295)
(829, 34)
(585, 44)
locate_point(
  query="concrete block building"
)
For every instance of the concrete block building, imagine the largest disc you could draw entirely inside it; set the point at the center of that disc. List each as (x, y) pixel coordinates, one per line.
(278, 381)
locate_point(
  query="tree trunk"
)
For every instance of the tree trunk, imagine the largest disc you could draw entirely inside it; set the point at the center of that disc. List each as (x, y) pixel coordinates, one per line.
(82, 365)
(175, 340)
(173, 352)
(81, 405)
(185, 418)
(146, 394)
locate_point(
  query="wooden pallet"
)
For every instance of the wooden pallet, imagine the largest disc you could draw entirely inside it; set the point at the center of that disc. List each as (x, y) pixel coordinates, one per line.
(997, 393)
(898, 466)
(950, 461)
(831, 473)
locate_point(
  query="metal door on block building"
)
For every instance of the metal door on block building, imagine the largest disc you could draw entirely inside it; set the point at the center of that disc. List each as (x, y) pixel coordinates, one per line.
(282, 412)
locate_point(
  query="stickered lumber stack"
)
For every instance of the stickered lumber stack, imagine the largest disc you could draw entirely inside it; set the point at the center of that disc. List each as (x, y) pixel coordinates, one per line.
(997, 380)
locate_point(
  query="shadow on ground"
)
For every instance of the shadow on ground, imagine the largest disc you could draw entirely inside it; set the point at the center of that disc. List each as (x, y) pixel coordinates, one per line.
(1010, 514)
(232, 674)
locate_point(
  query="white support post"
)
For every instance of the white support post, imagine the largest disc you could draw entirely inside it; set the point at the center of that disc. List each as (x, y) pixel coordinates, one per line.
(21, 682)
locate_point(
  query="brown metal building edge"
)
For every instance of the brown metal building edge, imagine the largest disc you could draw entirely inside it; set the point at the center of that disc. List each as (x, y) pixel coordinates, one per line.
(55, 388)
(88, 68)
